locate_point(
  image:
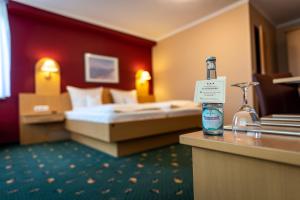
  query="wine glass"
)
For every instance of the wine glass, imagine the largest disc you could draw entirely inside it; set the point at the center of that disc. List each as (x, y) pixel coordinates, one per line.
(246, 118)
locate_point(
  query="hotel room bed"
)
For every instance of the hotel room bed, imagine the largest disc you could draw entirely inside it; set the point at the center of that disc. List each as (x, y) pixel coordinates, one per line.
(121, 130)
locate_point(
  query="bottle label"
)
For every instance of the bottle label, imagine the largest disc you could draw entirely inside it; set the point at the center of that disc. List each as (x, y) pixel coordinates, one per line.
(212, 119)
(210, 91)
(211, 65)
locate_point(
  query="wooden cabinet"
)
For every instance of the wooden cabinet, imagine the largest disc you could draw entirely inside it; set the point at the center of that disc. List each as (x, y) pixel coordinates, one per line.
(240, 166)
(42, 132)
(45, 126)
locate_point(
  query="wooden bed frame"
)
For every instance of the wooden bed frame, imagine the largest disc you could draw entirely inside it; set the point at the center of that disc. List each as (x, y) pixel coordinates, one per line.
(116, 139)
(124, 138)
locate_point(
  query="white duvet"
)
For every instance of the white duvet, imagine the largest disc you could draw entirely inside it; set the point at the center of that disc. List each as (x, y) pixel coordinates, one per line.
(112, 113)
(128, 108)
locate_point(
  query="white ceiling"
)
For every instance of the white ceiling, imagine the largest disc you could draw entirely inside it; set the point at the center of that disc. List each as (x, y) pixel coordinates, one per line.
(151, 19)
(158, 19)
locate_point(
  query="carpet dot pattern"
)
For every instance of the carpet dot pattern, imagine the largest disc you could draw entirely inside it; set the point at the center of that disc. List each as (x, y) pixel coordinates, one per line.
(68, 170)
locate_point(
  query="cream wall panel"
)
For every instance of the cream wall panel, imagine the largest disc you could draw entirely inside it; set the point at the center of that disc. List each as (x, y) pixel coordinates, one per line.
(180, 60)
(45, 86)
(293, 48)
(282, 46)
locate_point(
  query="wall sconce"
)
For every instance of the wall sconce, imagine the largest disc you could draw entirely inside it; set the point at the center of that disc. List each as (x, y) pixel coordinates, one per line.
(47, 77)
(142, 78)
(47, 66)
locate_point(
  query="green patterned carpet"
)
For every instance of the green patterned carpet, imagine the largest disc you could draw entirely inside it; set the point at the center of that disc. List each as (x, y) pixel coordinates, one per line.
(68, 170)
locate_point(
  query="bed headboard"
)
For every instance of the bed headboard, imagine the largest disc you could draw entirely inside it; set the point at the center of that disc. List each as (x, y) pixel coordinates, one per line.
(106, 96)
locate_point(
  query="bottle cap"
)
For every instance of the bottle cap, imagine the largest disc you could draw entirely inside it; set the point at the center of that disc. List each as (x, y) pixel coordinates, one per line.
(211, 59)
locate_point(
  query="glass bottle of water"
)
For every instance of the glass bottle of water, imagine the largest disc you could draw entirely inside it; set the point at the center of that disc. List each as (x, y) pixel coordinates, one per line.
(212, 113)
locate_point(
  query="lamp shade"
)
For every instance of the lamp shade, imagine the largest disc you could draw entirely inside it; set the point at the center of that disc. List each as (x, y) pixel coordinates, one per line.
(49, 65)
(143, 76)
(47, 77)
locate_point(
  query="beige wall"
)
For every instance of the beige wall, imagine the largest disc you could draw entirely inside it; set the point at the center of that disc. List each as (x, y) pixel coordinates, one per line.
(268, 32)
(180, 60)
(293, 49)
(281, 43)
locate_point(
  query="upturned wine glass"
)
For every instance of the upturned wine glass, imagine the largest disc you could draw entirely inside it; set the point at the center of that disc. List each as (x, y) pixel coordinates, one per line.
(246, 118)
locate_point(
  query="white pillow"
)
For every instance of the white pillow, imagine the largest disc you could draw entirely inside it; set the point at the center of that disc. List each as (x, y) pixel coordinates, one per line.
(93, 100)
(85, 97)
(124, 97)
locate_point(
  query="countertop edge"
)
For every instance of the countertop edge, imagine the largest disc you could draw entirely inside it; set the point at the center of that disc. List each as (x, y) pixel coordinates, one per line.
(264, 153)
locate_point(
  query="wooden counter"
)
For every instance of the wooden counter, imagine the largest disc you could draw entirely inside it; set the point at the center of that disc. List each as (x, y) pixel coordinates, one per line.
(244, 167)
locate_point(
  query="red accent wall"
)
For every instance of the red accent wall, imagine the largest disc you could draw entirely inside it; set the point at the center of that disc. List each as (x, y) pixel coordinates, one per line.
(36, 33)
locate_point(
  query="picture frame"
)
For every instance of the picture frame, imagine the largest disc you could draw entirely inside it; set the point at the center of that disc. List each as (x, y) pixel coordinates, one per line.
(101, 69)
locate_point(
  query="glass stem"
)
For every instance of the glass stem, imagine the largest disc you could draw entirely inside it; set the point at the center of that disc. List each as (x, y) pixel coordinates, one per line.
(245, 95)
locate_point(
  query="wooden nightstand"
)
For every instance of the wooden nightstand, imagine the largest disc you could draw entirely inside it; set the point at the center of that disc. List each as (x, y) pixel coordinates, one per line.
(36, 127)
(42, 118)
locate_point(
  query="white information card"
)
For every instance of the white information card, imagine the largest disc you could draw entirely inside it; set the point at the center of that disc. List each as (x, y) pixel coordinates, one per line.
(210, 91)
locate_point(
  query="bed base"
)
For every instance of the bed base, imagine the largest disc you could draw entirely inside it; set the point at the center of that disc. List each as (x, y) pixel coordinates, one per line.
(125, 138)
(124, 148)
(121, 131)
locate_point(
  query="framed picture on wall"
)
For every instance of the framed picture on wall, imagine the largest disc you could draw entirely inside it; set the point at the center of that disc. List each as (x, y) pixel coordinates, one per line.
(101, 69)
